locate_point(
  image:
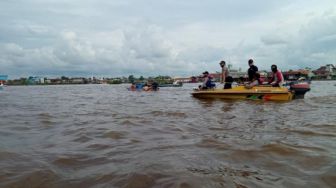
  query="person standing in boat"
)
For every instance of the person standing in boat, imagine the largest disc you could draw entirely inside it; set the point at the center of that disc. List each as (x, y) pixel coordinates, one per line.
(277, 77)
(225, 72)
(252, 70)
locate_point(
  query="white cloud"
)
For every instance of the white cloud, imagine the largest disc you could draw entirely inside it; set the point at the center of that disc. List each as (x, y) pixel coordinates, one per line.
(162, 37)
(274, 40)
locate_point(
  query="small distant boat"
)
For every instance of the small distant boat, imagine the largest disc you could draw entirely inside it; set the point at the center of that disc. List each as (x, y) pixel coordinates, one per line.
(175, 84)
(3, 79)
(2, 86)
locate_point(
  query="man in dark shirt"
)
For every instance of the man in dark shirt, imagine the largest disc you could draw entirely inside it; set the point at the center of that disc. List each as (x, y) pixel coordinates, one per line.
(252, 70)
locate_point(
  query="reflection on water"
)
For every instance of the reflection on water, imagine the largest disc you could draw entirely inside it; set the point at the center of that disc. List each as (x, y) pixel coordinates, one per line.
(106, 136)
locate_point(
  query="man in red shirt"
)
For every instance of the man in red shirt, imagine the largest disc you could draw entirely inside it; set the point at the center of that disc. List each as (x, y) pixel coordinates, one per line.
(277, 77)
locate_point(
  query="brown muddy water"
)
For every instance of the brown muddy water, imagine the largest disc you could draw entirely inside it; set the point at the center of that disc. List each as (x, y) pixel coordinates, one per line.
(106, 136)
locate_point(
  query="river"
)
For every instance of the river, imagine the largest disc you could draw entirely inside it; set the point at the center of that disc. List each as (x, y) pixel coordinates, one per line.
(106, 136)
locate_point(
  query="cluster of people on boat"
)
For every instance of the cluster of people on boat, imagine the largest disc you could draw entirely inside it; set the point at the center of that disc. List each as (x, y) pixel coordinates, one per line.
(148, 86)
(254, 78)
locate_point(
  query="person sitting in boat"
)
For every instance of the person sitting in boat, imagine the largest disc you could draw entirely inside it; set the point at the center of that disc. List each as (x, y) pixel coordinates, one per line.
(207, 83)
(277, 77)
(256, 81)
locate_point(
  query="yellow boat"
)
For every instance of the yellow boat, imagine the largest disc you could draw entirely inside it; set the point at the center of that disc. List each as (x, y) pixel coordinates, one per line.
(240, 92)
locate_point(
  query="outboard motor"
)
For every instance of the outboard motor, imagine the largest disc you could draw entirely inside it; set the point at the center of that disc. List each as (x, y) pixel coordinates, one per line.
(299, 89)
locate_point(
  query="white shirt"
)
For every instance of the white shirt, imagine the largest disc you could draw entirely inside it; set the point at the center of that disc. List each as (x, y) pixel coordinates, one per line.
(225, 73)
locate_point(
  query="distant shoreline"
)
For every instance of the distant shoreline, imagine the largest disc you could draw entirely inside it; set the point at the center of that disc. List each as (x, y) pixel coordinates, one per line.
(122, 83)
(322, 80)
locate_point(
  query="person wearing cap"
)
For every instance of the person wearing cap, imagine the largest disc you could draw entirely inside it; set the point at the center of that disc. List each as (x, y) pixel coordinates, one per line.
(225, 72)
(252, 70)
(277, 77)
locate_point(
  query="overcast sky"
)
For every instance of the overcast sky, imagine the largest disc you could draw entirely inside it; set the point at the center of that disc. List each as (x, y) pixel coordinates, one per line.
(167, 37)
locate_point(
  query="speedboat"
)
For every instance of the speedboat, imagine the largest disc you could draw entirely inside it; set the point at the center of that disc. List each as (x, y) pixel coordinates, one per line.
(267, 93)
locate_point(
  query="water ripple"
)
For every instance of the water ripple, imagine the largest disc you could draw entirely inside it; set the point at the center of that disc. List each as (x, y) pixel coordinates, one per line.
(106, 136)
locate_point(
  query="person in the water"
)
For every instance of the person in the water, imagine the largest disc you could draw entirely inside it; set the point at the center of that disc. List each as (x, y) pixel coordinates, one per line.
(133, 87)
